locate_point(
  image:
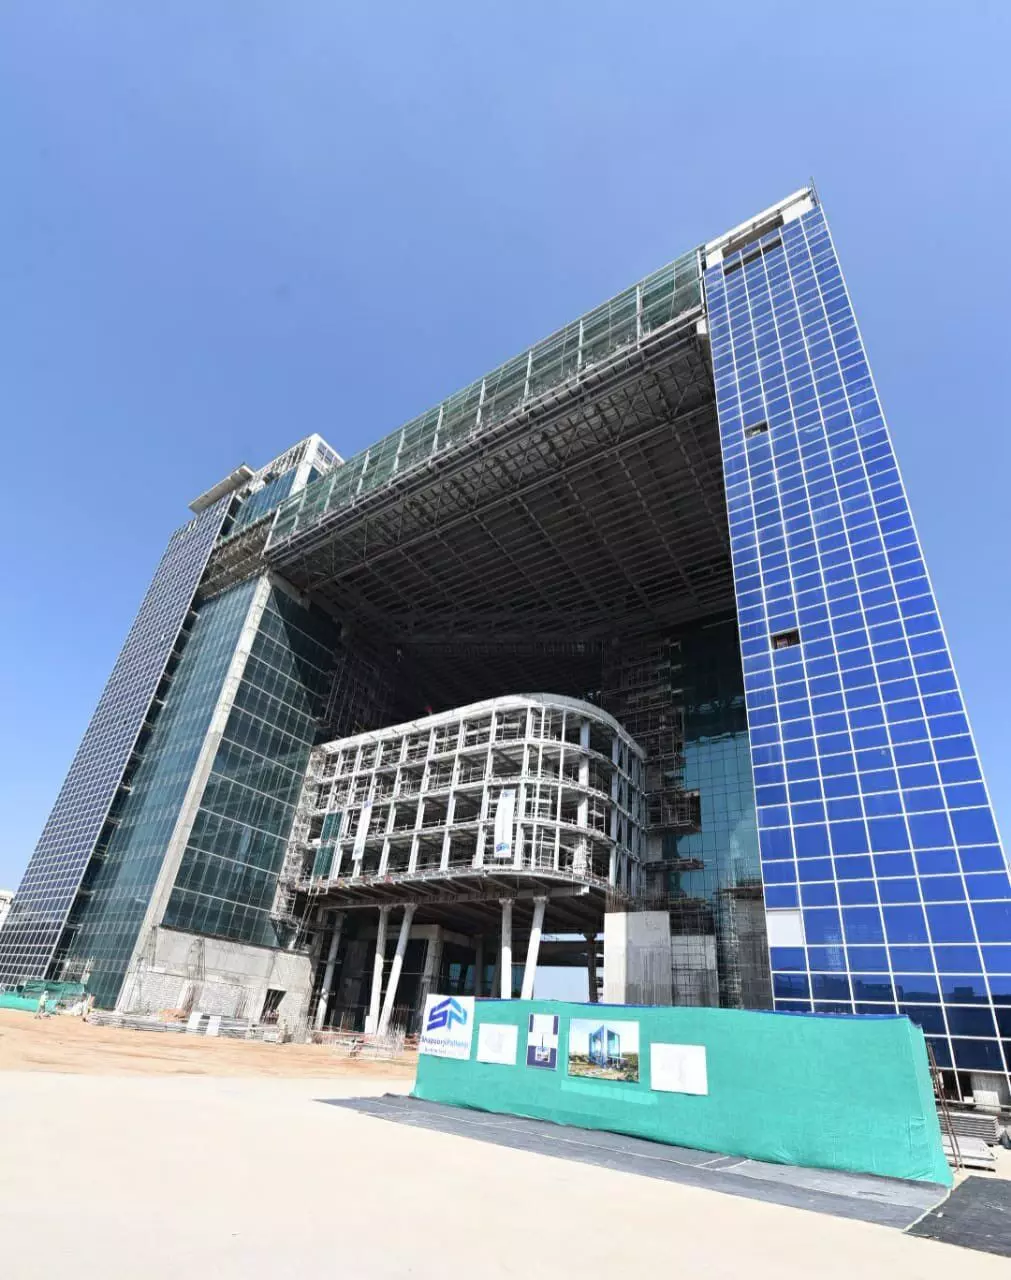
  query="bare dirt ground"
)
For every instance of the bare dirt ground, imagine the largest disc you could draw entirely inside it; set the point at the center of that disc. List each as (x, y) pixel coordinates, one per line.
(67, 1044)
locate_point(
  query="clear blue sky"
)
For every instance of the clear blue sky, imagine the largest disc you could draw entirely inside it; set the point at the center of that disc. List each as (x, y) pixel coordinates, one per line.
(225, 225)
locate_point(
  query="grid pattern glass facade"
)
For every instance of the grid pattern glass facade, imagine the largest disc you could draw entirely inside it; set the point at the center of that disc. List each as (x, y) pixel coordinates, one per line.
(616, 325)
(264, 500)
(72, 831)
(717, 764)
(228, 876)
(718, 866)
(107, 915)
(880, 855)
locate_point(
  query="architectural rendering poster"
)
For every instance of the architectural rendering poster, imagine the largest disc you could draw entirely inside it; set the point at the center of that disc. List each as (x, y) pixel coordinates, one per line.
(448, 1027)
(497, 1042)
(604, 1050)
(542, 1041)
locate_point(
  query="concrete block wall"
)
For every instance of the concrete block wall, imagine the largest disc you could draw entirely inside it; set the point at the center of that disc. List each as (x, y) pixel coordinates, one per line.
(637, 958)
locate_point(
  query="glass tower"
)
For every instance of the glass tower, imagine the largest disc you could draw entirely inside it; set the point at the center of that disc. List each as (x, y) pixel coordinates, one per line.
(886, 887)
(83, 807)
(205, 724)
(692, 484)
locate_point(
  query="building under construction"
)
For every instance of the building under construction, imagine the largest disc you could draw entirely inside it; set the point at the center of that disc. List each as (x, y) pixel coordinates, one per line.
(517, 813)
(675, 524)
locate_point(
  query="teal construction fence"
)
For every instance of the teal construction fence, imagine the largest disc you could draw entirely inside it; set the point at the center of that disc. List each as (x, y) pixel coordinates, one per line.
(847, 1093)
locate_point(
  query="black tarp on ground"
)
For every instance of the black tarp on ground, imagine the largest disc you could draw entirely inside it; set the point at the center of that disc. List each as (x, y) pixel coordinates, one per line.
(890, 1202)
(977, 1215)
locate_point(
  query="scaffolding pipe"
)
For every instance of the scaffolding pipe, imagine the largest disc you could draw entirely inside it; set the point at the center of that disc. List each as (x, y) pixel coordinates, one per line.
(398, 964)
(533, 947)
(591, 965)
(479, 964)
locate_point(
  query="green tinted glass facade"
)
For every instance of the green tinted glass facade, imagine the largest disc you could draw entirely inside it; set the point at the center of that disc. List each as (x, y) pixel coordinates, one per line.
(717, 763)
(228, 876)
(617, 325)
(108, 912)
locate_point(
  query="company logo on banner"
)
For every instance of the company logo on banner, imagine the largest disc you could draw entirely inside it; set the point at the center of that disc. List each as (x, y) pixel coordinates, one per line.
(448, 1026)
(445, 1013)
(504, 813)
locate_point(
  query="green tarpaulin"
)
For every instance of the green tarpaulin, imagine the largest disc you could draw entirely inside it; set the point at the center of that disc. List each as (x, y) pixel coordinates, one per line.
(849, 1093)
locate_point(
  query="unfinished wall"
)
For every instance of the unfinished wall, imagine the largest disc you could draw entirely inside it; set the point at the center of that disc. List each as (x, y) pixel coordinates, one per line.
(209, 975)
(637, 958)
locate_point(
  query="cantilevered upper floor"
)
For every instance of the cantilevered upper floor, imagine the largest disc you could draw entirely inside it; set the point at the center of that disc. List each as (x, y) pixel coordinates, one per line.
(526, 795)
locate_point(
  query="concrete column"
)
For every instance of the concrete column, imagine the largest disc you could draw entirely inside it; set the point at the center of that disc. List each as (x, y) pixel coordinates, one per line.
(478, 964)
(372, 1021)
(331, 960)
(506, 952)
(433, 959)
(398, 964)
(591, 964)
(533, 947)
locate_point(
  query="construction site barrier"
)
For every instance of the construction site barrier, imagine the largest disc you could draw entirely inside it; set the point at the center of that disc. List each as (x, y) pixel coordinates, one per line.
(831, 1092)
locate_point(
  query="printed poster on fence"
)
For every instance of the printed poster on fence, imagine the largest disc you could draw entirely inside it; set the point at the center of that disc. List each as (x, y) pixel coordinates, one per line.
(604, 1050)
(497, 1042)
(678, 1068)
(448, 1026)
(542, 1041)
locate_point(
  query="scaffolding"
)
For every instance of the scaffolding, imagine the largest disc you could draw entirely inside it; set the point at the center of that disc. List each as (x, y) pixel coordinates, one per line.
(525, 808)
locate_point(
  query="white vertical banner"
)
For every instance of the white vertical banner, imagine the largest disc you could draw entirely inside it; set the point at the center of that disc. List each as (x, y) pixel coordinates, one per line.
(362, 831)
(505, 811)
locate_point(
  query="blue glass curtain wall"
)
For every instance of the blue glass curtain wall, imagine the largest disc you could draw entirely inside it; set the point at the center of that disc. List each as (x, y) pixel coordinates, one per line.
(880, 855)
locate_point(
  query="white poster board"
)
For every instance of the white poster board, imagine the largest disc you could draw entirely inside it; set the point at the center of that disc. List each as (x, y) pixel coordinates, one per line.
(497, 1043)
(678, 1068)
(505, 811)
(213, 1025)
(448, 1026)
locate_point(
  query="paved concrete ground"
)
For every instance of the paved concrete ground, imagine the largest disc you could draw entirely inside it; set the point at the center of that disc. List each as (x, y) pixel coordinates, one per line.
(115, 1177)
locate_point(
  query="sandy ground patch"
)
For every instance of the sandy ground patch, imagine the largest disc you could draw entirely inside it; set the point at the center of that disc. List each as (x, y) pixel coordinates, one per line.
(67, 1044)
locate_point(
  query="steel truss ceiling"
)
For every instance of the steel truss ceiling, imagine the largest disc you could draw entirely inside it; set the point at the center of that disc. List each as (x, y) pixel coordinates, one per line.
(592, 512)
